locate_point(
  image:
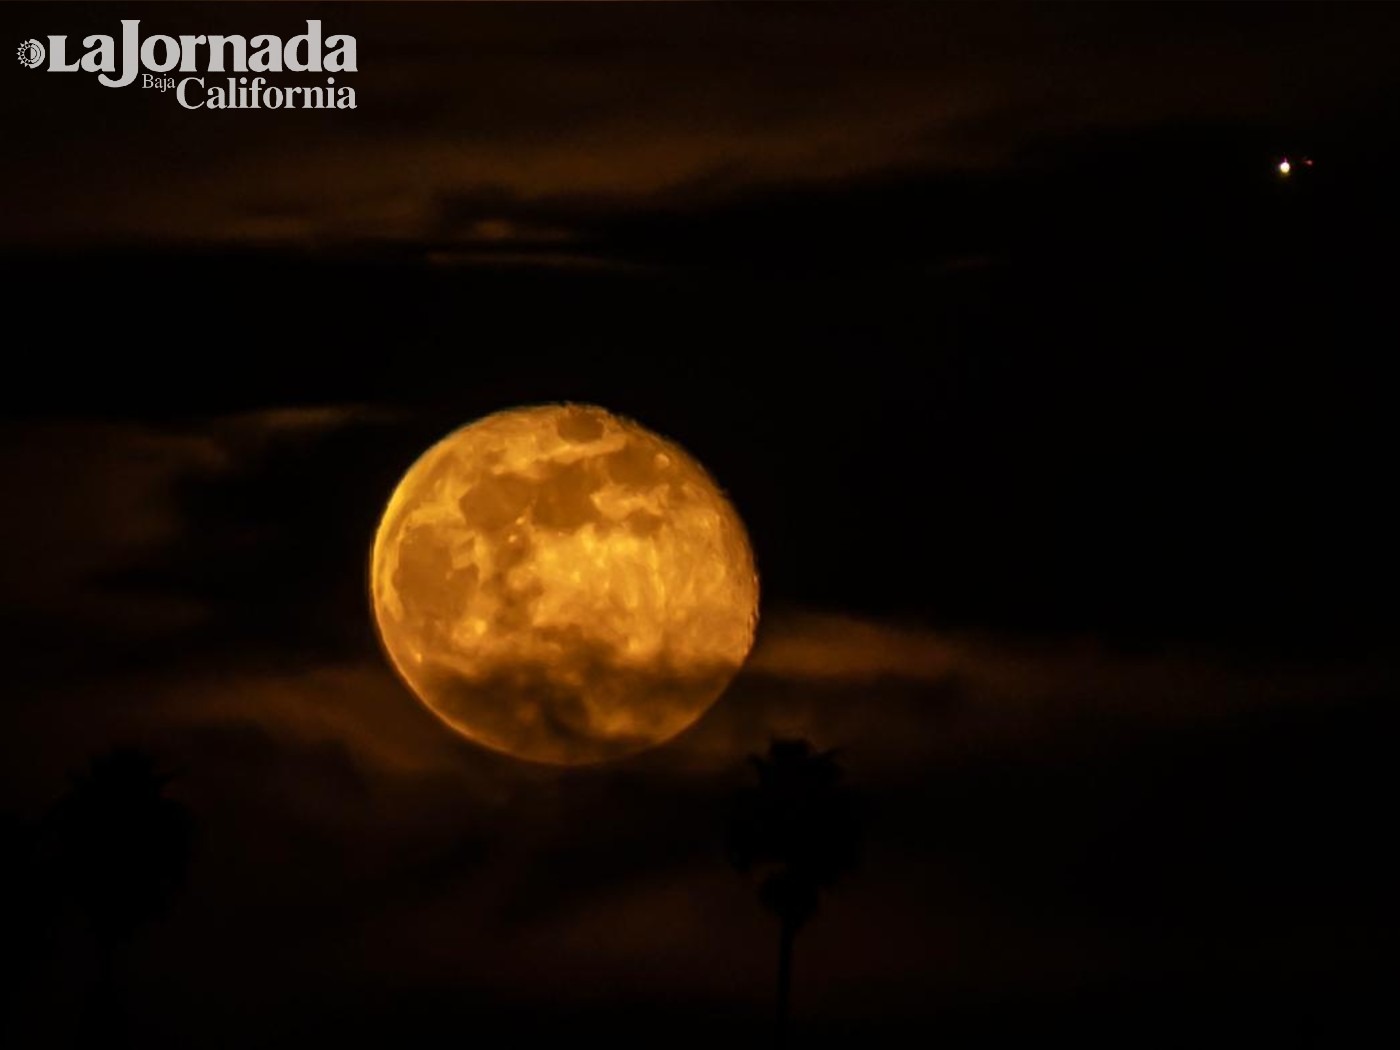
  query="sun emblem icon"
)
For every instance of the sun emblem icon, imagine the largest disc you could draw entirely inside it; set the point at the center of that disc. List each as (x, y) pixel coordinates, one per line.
(31, 54)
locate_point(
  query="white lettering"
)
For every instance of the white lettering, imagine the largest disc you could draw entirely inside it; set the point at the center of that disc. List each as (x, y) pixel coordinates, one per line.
(341, 58)
(189, 47)
(237, 44)
(180, 92)
(195, 53)
(57, 58)
(312, 41)
(148, 53)
(131, 50)
(268, 56)
(102, 58)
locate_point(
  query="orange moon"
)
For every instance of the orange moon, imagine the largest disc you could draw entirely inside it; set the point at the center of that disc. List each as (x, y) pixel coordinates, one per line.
(560, 584)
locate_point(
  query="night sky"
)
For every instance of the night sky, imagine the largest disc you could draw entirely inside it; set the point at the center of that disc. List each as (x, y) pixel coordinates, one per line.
(1062, 424)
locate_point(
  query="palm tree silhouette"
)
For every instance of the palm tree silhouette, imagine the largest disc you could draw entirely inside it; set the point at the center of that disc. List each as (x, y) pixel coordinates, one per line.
(120, 847)
(796, 832)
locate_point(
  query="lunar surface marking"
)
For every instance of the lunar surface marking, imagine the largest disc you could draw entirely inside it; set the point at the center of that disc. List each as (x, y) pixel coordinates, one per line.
(561, 584)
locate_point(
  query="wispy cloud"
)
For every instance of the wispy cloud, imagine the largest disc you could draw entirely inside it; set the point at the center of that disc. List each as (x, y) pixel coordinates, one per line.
(103, 497)
(632, 107)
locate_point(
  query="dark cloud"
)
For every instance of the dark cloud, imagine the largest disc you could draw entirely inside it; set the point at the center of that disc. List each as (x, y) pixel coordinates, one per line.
(1042, 816)
(633, 107)
(100, 497)
(99, 555)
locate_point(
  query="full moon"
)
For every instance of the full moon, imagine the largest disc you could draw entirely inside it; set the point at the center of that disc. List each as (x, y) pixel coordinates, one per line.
(560, 584)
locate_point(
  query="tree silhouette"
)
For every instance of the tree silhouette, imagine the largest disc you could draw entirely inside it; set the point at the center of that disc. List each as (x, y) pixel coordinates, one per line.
(120, 847)
(796, 832)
